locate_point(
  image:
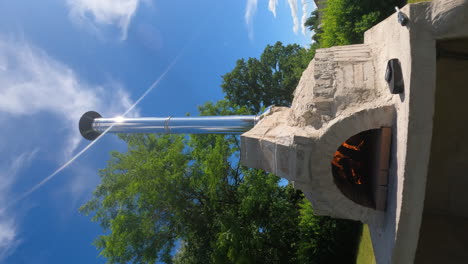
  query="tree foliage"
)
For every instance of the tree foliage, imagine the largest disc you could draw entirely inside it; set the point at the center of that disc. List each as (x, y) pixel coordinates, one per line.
(345, 21)
(168, 190)
(324, 239)
(187, 199)
(270, 80)
(313, 24)
(140, 199)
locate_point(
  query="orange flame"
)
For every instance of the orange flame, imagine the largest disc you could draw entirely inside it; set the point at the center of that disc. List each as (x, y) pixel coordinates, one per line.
(357, 148)
(356, 176)
(339, 159)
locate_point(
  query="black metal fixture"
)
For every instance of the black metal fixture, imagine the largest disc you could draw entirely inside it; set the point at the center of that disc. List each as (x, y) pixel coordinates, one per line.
(394, 76)
(86, 125)
(402, 17)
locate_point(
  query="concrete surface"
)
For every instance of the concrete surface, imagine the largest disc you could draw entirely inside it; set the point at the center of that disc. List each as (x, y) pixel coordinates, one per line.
(343, 92)
(444, 230)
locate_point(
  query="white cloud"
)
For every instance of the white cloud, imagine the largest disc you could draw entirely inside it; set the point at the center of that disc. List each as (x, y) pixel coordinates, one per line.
(250, 11)
(104, 12)
(32, 82)
(305, 5)
(35, 87)
(272, 6)
(8, 229)
(293, 7)
(8, 238)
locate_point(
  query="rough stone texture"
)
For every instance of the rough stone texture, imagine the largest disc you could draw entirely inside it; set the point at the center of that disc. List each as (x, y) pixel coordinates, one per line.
(338, 79)
(336, 98)
(342, 93)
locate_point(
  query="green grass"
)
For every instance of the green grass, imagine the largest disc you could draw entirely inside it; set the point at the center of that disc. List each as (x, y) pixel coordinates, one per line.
(417, 1)
(365, 254)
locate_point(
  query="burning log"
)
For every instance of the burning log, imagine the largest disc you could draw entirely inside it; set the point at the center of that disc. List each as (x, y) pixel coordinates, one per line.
(352, 167)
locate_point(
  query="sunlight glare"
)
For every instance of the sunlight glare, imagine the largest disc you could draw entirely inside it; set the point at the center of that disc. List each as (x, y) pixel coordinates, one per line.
(118, 119)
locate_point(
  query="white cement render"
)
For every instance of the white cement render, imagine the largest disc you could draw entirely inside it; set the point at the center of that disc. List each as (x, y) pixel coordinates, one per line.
(397, 241)
(337, 98)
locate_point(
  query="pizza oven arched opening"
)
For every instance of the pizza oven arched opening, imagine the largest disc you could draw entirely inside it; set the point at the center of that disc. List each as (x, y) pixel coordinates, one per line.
(360, 167)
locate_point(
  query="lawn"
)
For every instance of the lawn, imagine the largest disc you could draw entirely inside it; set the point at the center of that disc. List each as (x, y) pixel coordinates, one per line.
(417, 1)
(365, 254)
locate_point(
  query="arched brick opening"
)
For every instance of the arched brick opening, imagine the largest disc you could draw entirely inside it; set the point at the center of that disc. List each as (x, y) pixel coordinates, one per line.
(355, 164)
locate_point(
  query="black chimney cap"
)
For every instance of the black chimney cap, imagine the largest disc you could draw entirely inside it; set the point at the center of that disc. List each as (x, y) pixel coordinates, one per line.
(86, 125)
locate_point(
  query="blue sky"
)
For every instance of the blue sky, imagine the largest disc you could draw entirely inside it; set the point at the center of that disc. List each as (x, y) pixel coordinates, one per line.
(61, 58)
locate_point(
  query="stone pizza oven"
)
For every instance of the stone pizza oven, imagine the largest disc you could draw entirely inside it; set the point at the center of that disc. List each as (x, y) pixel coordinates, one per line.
(366, 137)
(339, 124)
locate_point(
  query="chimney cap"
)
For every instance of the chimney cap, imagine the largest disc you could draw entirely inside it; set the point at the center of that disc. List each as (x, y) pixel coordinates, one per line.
(86, 125)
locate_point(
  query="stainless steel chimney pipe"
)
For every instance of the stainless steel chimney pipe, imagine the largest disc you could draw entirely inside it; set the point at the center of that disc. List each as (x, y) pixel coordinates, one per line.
(92, 124)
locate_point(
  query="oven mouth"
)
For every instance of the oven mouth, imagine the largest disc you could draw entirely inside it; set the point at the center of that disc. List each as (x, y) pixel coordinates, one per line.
(360, 167)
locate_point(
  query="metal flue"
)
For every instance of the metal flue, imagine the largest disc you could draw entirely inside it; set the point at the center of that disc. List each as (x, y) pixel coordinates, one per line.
(92, 124)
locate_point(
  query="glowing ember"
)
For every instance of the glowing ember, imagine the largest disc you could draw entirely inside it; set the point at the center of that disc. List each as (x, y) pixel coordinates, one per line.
(358, 147)
(347, 166)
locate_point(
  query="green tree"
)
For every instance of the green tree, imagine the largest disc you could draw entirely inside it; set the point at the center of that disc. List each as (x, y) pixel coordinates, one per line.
(168, 190)
(324, 239)
(192, 190)
(140, 199)
(270, 80)
(344, 22)
(313, 24)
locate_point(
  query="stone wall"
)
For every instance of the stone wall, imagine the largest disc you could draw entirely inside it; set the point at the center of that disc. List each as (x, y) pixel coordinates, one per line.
(336, 99)
(342, 93)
